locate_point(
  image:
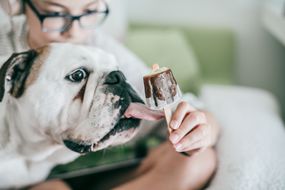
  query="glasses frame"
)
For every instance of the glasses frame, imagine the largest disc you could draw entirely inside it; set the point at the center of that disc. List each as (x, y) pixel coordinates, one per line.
(69, 17)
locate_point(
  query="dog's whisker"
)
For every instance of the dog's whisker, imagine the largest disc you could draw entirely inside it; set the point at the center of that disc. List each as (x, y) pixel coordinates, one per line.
(104, 153)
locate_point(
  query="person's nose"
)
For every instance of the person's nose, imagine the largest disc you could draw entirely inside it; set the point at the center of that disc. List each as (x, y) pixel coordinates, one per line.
(74, 30)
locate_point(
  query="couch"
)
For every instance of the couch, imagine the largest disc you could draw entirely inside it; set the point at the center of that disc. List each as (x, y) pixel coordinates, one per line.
(250, 148)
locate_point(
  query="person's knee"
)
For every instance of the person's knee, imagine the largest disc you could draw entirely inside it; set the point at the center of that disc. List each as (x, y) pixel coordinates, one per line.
(210, 158)
(201, 168)
(201, 162)
(51, 185)
(207, 160)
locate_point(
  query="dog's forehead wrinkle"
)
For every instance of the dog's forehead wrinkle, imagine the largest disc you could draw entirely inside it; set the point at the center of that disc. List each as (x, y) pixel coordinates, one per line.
(96, 61)
(83, 58)
(62, 58)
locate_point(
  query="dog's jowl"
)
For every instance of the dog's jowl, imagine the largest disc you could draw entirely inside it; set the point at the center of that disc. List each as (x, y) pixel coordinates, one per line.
(57, 102)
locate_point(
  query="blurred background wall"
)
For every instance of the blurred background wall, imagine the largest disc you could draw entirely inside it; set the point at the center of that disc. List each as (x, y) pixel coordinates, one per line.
(260, 57)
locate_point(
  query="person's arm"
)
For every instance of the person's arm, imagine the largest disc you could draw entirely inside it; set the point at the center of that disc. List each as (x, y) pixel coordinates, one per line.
(206, 129)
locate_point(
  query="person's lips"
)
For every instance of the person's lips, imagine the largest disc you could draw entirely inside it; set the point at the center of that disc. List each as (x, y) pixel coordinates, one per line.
(141, 111)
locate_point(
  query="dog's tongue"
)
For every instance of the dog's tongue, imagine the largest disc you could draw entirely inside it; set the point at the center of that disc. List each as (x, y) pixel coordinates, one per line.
(141, 111)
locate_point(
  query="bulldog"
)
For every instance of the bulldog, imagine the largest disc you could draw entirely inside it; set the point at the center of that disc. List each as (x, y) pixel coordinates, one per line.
(58, 102)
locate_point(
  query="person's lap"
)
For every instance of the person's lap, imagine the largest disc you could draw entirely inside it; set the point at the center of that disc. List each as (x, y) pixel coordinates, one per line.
(163, 168)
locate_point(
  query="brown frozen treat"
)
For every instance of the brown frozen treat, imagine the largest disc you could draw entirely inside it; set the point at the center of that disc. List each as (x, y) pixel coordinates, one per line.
(162, 91)
(161, 88)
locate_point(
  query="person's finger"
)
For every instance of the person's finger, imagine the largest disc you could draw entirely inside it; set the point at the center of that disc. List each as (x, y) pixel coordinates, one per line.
(191, 120)
(196, 145)
(182, 109)
(189, 142)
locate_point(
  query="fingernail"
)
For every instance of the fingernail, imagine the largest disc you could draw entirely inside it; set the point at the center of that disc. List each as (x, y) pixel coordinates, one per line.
(178, 147)
(174, 138)
(174, 124)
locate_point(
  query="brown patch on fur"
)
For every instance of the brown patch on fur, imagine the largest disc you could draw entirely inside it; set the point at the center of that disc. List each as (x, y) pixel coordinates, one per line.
(81, 93)
(34, 73)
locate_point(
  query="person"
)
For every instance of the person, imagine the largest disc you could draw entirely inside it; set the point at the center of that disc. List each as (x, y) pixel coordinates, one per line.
(195, 131)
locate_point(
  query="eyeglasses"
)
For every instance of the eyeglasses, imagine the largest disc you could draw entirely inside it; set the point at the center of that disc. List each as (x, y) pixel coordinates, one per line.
(61, 22)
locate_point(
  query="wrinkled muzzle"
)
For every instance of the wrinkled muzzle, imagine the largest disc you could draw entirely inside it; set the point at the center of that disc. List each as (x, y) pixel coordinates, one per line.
(105, 124)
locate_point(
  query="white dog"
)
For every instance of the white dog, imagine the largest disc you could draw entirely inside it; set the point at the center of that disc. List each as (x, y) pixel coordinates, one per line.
(59, 96)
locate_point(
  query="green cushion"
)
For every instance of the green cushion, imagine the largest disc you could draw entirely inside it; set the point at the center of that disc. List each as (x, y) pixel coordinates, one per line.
(167, 48)
(214, 48)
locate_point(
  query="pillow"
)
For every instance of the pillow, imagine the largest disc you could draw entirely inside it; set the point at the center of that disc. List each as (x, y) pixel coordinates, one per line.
(167, 48)
(215, 48)
(251, 146)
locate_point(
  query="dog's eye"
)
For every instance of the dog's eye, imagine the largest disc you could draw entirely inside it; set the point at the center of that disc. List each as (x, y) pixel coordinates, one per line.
(77, 75)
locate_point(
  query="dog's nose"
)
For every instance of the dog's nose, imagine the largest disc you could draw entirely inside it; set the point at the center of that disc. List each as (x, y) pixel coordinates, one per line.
(115, 77)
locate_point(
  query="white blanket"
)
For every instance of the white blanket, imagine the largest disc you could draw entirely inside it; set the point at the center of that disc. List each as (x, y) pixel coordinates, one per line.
(251, 148)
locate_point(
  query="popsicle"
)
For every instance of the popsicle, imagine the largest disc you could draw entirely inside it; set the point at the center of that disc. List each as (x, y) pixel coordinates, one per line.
(161, 91)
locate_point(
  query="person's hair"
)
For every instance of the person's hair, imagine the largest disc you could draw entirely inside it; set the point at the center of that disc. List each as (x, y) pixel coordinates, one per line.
(22, 6)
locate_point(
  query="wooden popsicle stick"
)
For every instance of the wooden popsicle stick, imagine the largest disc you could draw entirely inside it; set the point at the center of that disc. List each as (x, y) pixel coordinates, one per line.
(155, 67)
(168, 114)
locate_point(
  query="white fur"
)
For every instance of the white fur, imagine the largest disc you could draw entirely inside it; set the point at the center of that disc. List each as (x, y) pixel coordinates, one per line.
(34, 125)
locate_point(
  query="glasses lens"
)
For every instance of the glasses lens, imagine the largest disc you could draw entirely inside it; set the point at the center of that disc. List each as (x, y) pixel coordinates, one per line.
(92, 20)
(55, 24)
(95, 16)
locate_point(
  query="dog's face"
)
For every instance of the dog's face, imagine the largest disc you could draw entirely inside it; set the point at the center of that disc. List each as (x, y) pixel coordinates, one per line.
(70, 94)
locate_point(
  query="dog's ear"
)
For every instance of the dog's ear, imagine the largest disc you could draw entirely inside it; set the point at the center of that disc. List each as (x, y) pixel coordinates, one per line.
(15, 71)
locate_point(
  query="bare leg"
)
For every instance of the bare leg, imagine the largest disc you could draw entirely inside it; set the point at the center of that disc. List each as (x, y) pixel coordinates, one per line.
(166, 169)
(163, 169)
(51, 185)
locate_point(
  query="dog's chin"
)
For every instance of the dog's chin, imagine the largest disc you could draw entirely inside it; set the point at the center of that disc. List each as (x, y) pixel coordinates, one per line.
(123, 131)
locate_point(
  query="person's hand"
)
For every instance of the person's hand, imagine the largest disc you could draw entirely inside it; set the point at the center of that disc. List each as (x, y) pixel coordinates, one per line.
(191, 130)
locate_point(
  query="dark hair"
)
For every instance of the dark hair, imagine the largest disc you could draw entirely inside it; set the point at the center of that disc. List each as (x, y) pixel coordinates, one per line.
(22, 6)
